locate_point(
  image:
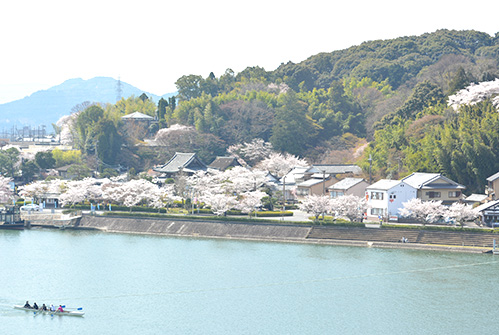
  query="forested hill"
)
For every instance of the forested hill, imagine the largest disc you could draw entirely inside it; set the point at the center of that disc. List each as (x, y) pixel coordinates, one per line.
(327, 106)
(398, 60)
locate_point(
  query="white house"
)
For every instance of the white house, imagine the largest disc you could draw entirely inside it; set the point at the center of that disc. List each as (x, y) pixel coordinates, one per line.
(386, 197)
(434, 186)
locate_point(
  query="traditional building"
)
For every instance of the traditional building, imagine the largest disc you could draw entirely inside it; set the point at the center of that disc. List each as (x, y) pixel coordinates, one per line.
(489, 213)
(187, 163)
(492, 188)
(223, 163)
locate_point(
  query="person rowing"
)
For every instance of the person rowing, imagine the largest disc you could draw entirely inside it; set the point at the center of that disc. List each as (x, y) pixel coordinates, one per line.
(44, 308)
(35, 306)
(27, 305)
(52, 308)
(60, 309)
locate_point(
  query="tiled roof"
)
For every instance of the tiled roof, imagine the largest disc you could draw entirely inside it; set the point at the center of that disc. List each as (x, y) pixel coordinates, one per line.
(384, 184)
(493, 177)
(346, 183)
(310, 182)
(137, 116)
(420, 180)
(188, 162)
(222, 163)
(335, 169)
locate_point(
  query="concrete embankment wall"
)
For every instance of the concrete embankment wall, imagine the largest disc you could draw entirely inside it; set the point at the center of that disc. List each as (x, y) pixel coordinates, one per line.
(180, 227)
(363, 237)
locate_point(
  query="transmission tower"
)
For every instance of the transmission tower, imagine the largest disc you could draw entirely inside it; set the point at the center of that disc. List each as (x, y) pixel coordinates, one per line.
(119, 91)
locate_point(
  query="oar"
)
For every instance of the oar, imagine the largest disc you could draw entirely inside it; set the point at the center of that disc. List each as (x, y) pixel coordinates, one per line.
(78, 309)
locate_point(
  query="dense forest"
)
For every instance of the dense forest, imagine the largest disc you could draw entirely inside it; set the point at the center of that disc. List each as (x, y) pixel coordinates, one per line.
(385, 99)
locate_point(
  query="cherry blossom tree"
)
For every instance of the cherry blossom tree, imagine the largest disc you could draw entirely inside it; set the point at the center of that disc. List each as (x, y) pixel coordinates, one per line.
(280, 164)
(250, 201)
(219, 203)
(476, 93)
(316, 205)
(350, 206)
(424, 211)
(77, 191)
(132, 193)
(6, 192)
(252, 152)
(41, 188)
(66, 128)
(461, 213)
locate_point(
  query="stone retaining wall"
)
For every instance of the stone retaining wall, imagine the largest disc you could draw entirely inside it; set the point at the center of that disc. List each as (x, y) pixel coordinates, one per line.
(180, 227)
(370, 237)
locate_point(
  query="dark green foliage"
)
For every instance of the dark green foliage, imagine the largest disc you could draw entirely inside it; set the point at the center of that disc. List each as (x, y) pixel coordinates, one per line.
(44, 160)
(293, 128)
(109, 141)
(8, 161)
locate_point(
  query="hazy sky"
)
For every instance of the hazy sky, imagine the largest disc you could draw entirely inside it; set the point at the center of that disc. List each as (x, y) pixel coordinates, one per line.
(151, 43)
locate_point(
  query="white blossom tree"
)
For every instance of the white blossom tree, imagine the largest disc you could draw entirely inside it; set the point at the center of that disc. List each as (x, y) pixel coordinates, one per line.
(252, 152)
(424, 211)
(350, 206)
(6, 192)
(461, 213)
(76, 191)
(476, 93)
(280, 164)
(316, 205)
(250, 201)
(219, 203)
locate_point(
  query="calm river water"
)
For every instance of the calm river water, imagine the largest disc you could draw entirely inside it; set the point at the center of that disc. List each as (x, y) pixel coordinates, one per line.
(133, 284)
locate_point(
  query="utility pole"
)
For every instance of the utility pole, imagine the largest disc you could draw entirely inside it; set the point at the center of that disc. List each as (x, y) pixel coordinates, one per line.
(370, 165)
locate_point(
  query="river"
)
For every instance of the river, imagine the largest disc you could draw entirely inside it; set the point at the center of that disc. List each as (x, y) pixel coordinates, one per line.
(137, 284)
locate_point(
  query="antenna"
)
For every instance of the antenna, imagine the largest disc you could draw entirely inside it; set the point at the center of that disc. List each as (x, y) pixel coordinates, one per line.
(119, 91)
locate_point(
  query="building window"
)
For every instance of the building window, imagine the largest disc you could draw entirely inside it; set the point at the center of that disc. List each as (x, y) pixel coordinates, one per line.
(376, 211)
(336, 194)
(454, 194)
(377, 195)
(433, 194)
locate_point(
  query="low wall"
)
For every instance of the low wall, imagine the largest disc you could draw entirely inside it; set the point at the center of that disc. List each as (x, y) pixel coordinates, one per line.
(370, 237)
(179, 227)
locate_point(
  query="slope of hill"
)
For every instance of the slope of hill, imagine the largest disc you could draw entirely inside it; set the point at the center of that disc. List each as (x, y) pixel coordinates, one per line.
(47, 106)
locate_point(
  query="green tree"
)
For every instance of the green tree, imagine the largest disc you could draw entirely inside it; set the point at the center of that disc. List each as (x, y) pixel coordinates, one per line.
(79, 171)
(293, 128)
(28, 171)
(189, 87)
(109, 141)
(44, 160)
(162, 106)
(85, 125)
(8, 161)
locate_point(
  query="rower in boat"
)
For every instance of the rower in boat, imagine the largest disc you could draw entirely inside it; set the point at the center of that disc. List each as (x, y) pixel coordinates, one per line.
(35, 306)
(44, 308)
(60, 309)
(27, 305)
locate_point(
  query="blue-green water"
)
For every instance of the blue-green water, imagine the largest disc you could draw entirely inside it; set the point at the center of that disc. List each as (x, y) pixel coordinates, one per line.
(132, 284)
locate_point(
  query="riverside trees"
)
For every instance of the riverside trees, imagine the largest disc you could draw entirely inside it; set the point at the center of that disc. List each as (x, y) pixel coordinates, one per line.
(433, 211)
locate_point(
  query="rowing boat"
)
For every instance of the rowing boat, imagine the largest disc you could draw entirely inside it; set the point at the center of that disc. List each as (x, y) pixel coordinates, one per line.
(39, 311)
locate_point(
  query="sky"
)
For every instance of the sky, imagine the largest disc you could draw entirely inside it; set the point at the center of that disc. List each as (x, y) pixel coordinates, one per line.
(151, 43)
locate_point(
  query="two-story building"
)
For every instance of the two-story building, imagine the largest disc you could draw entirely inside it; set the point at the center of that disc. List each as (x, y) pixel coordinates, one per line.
(386, 197)
(492, 188)
(348, 186)
(434, 186)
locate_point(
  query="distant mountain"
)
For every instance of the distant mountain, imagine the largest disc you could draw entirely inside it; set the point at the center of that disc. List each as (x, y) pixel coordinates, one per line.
(47, 106)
